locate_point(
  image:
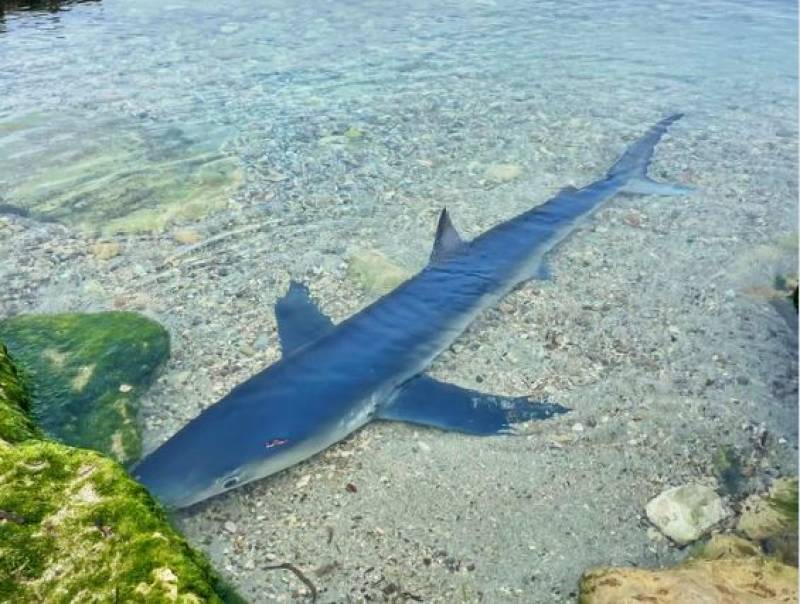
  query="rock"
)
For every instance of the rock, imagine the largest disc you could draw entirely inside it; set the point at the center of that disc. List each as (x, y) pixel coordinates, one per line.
(499, 173)
(752, 580)
(15, 423)
(726, 547)
(113, 176)
(686, 512)
(75, 528)
(78, 529)
(87, 372)
(772, 520)
(105, 250)
(761, 518)
(186, 236)
(375, 272)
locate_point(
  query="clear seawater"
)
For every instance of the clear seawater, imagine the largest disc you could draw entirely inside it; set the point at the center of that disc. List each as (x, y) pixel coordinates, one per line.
(292, 135)
(268, 87)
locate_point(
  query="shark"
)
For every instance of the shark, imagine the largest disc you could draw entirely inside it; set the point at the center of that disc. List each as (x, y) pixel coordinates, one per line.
(333, 379)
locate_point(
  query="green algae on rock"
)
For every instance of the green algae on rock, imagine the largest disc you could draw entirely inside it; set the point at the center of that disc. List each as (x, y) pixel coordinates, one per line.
(15, 423)
(771, 519)
(87, 372)
(75, 528)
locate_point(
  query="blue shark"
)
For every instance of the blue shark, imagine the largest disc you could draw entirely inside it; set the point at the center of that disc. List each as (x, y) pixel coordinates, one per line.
(334, 379)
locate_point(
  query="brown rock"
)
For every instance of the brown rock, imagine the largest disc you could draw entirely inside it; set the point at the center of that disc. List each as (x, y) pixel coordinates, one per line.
(753, 580)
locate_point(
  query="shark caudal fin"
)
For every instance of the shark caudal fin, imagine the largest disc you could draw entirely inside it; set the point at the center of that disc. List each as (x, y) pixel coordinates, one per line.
(631, 168)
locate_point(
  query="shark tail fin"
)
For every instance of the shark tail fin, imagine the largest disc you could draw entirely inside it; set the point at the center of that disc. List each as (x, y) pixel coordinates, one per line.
(631, 168)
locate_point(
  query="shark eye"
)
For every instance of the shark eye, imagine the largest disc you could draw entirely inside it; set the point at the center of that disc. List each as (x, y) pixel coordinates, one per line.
(230, 482)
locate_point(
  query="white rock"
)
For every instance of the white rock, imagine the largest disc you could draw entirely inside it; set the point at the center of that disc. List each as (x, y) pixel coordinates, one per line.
(686, 512)
(502, 172)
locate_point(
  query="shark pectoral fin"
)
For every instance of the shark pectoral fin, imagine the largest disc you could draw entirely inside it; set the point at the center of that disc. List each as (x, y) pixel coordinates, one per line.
(300, 321)
(447, 241)
(646, 186)
(429, 402)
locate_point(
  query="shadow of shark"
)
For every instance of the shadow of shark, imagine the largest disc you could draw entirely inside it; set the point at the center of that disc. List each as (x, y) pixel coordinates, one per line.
(333, 379)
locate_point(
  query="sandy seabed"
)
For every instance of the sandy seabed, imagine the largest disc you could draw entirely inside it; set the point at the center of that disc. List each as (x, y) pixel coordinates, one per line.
(658, 329)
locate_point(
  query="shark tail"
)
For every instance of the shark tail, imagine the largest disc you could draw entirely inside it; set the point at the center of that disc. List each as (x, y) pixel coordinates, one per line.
(631, 168)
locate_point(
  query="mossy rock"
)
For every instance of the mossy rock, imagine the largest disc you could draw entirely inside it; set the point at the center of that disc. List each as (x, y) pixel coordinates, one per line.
(771, 519)
(75, 528)
(726, 547)
(87, 372)
(15, 422)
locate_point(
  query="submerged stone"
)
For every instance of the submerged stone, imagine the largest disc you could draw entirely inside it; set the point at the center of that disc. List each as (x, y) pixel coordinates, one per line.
(686, 512)
(726, 547)
(766, 516)
(375, 272)
(87, 372)
(116, 176)
(772, 519)
(499, 173)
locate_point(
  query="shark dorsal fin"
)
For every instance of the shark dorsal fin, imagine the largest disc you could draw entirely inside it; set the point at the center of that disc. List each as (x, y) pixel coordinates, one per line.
(447, 241)
(300, 321)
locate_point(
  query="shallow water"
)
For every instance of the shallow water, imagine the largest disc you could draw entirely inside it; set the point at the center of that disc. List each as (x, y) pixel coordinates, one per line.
(230, 146)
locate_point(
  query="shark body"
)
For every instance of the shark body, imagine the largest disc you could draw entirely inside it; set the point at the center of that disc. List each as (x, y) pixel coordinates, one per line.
(333, 379)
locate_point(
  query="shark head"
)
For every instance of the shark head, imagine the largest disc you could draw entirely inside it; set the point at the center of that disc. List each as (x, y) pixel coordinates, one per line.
(253, 432)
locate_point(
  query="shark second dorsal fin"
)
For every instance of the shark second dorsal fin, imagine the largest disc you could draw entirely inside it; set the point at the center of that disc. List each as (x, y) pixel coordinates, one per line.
(447, 241)
(300, 321)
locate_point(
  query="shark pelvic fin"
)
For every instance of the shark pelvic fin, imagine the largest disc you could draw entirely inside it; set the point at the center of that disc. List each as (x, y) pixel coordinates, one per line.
(429, 402)
(447, 241)
(300, 321)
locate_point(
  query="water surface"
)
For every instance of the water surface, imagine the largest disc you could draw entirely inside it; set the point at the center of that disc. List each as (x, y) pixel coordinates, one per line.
(229, 146)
